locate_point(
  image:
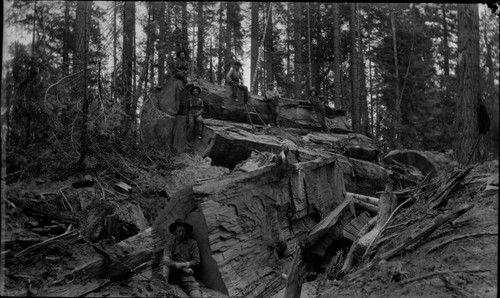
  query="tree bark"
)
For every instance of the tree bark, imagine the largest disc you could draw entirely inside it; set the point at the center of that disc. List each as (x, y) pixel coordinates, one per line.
(365, 123)
(336, 55)
(81, 30)
(127, 60)
(396, 78)
(227, 37)
(162, 42)
(297, 15)
(66, 40)
(200, 56)
(268, 46)
(184, 27)
(220, 75)
(254, 45)
(468, 82)
(355, 106)
(115, 39)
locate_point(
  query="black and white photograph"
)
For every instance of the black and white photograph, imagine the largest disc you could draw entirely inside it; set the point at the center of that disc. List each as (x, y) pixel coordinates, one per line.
(249, 149)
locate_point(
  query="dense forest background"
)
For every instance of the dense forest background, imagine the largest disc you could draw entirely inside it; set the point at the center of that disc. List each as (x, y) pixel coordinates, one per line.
(409, 75)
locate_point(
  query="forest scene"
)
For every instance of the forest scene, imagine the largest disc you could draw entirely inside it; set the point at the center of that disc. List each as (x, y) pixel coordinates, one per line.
(294, 149)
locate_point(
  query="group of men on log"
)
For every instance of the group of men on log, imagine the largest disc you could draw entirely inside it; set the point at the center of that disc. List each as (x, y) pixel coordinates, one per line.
(234, 78)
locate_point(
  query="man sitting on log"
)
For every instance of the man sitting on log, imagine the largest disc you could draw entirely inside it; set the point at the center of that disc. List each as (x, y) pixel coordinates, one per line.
(194, 110)
(180, 256)
(318, 104)
(273, 97)
(181, 67)
(234, 78)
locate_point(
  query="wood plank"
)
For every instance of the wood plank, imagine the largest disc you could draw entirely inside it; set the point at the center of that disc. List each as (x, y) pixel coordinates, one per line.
(296, 276)
(363, 198)
(74, 290)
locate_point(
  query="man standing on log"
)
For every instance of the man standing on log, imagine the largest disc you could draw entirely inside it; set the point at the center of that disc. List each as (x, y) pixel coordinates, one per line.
(273, 97)
(319, 107)
(234, 78)
(194, 110)
(180, 256)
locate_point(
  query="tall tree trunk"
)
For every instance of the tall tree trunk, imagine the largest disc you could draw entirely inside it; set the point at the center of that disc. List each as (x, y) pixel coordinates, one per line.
(355, 109)
(372, 126)
(184, 26)
(336, 56)
(316, 66)
(489, 59)
(227, 40)
(162, 42)
(81, 32)
(309, 73)
(396, 78)
(468, 83)
(365, 123)
(115, 39)
(127, 60)
(268, 45)
(297, 16)
(66, 39)
(211, 76)
(220, 75)
(446, 49)
(254, 44)
(201, 41)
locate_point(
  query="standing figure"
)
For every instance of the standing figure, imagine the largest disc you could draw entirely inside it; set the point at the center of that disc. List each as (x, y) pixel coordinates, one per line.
(194, 110)
(180, 257)
(319, 107)
(234, 78)
(181, 67)
(273, 97)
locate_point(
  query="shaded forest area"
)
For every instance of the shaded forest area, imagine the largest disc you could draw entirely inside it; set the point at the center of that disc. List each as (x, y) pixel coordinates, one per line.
(80, 82)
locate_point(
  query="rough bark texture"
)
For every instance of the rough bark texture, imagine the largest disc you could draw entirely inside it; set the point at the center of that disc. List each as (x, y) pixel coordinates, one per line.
(247, 214)
(336, 52)
(297, 15)
(468, 83)
(201, 40)
(254, 50)
(428, 162)
(355, 109)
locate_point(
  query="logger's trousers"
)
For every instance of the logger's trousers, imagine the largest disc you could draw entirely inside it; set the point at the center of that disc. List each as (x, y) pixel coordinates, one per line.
(321, 115)
(187, 282)
(234, 91)
(195, 122)
(272, 105)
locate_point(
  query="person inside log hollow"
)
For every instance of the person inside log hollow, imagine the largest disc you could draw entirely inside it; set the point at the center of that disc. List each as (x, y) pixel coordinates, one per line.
(181, 67)
(318, 104)
(234, 78)
(180, 257)
(272, 98)
(194, 110)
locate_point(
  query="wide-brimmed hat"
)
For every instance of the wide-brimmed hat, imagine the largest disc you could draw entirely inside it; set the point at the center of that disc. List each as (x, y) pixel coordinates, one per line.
(181, 51)
(270, 84)
(180, 222)
(238, 63)
(193, 88)
(313, 89)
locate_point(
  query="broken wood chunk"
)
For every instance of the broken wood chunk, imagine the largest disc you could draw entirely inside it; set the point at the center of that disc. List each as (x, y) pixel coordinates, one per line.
(123, 188)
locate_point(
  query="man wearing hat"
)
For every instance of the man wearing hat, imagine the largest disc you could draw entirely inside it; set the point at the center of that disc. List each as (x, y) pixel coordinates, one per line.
(181, 67)
(194, 110)
(273, 97)
(234, 78)
(319, 107)
(180, 256)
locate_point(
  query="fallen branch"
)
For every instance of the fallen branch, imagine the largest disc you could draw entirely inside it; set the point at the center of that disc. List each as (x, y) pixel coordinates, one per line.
(426, 231)
(446, 272)
(65, 235)
(460, 237)
(66, 199)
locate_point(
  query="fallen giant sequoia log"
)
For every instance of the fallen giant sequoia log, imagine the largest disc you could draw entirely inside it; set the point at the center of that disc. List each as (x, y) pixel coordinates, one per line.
(249, 216)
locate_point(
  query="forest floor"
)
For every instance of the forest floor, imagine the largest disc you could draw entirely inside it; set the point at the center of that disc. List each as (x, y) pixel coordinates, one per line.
(33, 272)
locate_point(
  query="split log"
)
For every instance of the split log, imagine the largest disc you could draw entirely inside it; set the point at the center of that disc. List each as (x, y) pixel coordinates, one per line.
(248, 214)
(296, 276)
(428, 162)
(367, 203)
(351, 145)
(329, 229)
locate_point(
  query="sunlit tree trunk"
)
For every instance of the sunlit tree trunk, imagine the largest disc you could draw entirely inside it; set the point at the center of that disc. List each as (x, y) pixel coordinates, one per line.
(468, 78)
(200, 56)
